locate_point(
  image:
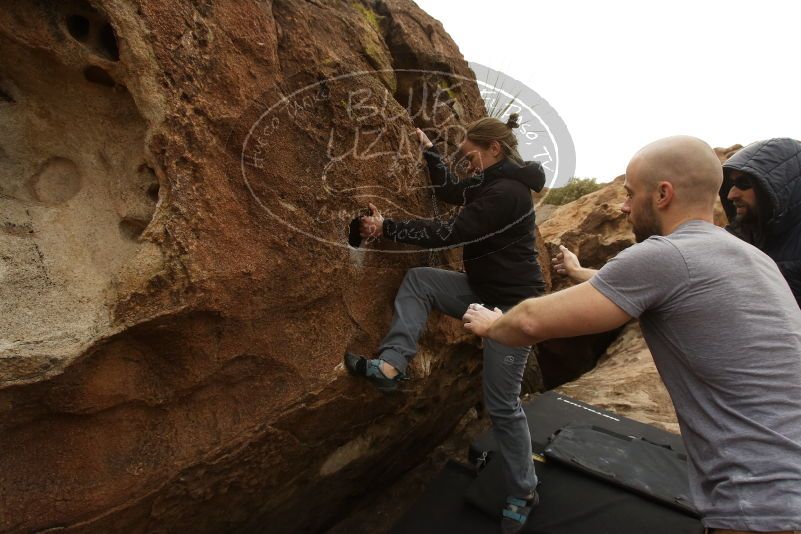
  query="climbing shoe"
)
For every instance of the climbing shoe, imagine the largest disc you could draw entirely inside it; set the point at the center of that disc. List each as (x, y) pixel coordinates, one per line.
(371, 369)
(516, 511)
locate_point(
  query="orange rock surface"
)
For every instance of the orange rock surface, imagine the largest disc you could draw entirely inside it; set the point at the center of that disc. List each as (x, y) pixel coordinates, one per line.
(177, 182)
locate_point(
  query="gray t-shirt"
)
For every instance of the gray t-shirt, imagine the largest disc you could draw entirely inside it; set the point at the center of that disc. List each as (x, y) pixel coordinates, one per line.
(725, 333)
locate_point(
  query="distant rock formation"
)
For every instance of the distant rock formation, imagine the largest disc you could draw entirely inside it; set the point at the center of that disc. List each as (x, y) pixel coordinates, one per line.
(176, 182)
(626, 381)
(592, 227)
(725, 153)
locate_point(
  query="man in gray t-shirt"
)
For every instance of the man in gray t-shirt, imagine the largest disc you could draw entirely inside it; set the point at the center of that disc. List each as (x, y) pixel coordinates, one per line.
(721, 323)
(725, 333)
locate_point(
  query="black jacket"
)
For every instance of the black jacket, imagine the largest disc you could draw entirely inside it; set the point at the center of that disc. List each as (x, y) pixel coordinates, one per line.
(495, 227)
(776, 166)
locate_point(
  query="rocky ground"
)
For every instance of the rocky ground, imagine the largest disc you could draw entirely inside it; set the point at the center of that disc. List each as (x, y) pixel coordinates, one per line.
(376, 513)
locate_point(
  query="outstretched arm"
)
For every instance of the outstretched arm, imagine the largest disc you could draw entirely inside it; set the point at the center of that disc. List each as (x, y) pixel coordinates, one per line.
(447, 186)
(575, 311)
(498, 207)
(568, 263)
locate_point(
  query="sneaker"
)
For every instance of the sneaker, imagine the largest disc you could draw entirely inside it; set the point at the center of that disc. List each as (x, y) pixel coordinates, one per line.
(516, 512)
(371, 369)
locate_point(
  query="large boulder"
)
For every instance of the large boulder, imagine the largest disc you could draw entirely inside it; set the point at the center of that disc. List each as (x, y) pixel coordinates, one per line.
(595, 229)
(592, 227)
(176, 182)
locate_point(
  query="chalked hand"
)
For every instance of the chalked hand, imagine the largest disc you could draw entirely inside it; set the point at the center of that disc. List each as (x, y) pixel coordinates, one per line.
(478, 319)
(372, 226)
(423, 139)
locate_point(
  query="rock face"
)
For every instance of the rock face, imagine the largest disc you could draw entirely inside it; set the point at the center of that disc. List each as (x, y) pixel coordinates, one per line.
(176, 181)
(592, 227)
(595, 229)
(626, 381)
(725, 153)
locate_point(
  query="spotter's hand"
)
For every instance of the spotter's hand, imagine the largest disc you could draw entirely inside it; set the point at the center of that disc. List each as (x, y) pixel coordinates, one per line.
(372, 226)
(478, 319)
(566, 262)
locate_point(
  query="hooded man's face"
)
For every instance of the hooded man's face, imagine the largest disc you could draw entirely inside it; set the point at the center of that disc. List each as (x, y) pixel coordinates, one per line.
(743, 197)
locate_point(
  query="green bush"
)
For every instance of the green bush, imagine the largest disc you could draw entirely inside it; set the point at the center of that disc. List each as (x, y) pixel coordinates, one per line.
(575, 188)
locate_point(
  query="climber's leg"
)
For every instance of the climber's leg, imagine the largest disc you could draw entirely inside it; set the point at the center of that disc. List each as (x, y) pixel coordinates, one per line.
(423, 288)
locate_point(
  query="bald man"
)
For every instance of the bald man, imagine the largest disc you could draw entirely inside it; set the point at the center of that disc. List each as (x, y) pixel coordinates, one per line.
(722, 325)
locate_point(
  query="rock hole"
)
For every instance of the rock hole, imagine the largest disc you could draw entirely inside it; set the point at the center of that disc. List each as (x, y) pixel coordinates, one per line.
(5, 97)
(153, 192)
(99, 76)
(354, 237)
(132, 228)
(148, 176)
(108, 42)
(57, 181)
(78, 26)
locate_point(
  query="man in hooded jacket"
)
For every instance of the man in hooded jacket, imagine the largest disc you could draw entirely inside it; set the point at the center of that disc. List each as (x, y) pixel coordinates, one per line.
(761, 194)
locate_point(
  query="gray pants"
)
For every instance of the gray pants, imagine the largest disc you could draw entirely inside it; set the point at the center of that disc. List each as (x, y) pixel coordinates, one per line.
(425, 288)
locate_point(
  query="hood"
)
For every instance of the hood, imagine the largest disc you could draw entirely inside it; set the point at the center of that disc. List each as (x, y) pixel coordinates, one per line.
(530, 173)
(776, 166)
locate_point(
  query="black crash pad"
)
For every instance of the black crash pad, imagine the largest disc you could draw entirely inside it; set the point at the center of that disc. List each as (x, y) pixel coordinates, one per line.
(654, 471)
(570, 503)
(550, 411)
(573, 501)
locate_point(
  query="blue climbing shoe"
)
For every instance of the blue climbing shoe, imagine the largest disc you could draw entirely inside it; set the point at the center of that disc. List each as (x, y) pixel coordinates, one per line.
(371, 369)
(516, 511)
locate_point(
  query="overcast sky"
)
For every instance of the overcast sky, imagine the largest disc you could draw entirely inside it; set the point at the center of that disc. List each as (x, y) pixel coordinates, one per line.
(622, 74)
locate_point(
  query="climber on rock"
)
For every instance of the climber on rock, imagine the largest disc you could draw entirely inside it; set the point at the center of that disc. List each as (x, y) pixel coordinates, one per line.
(761, 195)
(496, 229)
(722, 325)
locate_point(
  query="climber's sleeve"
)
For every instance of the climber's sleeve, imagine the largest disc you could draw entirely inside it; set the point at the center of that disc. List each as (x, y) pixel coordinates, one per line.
(447, 186)
(490, 214)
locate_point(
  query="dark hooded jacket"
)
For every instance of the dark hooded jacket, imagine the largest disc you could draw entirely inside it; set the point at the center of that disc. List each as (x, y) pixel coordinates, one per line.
(776, 167)
(495, 227)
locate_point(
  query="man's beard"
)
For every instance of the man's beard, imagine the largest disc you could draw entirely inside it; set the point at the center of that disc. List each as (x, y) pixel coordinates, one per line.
(647, 225)
(747, 218)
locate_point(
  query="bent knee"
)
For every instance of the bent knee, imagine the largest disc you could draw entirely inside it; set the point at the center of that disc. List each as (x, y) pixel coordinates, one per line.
(416, 273)
(510, 409)
(415, 276)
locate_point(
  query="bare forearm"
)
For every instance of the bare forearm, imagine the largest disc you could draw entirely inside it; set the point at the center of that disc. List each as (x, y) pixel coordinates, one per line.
(514, 327)
(582, 274)
(574, 311)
